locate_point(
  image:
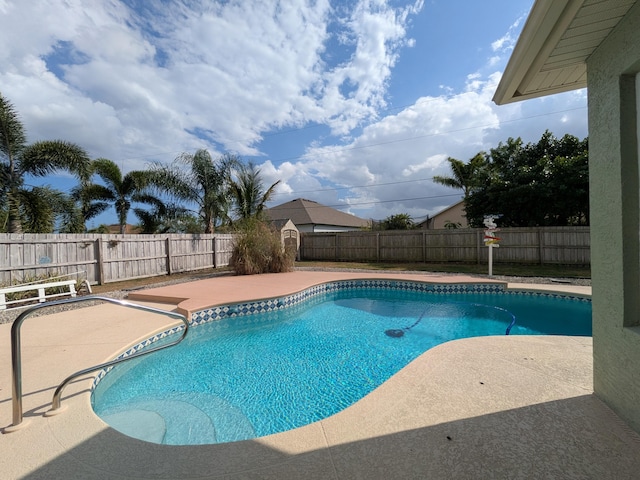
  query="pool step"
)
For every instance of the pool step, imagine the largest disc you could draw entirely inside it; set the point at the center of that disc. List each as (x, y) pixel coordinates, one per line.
(182, 419)
(140, 424)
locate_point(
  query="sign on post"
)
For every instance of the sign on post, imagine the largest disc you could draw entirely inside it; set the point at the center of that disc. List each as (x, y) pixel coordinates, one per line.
(490, 238)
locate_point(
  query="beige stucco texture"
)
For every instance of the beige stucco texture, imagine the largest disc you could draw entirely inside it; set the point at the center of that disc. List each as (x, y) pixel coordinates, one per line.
(615, 218)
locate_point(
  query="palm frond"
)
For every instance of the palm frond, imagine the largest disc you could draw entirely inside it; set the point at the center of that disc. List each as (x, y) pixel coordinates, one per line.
(109, 172)
(40, 207)
(12, 136)
(447, 181)
(173, 181)
(94, 209)
(93, 192)
(42, 158)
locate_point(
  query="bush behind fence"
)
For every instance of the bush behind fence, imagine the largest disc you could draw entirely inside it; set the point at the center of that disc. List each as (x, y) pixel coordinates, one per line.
(539, 245)
(103, 259)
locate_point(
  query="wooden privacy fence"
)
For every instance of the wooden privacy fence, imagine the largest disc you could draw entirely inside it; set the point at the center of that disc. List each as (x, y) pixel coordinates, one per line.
(539, 245)
(109, 258)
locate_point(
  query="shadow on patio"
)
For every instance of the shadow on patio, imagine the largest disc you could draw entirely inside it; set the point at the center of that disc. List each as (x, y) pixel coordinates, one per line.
(572, 438)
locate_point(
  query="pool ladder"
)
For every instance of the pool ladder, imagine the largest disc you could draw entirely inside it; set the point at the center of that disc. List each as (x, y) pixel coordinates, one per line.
(16, 361)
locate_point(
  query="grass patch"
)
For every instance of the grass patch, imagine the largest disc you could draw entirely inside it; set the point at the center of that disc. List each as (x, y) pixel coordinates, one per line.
(512, 270)
(549, 271)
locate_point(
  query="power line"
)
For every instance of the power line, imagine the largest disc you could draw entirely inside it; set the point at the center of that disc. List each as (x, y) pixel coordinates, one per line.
(342, 205)
(407, 139)
(334, 189)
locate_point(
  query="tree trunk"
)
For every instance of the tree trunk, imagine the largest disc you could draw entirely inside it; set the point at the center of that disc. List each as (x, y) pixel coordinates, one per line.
(14, 222)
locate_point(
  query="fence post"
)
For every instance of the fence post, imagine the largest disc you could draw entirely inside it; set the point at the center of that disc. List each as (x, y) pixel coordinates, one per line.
(215, 251)
(540, 246)
(301, 248)
(168, 248)
(99, 254)
(479, 243)
(377, 247)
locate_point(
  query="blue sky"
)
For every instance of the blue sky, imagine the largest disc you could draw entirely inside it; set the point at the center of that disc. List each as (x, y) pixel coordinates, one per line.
(351, 104)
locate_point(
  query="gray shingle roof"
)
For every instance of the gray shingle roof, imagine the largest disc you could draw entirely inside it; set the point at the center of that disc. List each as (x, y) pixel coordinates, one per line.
(305, 212)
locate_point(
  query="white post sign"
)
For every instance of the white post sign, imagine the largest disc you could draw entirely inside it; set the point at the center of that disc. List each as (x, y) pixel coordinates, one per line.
(490, 238)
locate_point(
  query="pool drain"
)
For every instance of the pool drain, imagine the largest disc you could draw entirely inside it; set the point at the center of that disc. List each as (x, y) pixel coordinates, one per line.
(399, 332)
(394, 332)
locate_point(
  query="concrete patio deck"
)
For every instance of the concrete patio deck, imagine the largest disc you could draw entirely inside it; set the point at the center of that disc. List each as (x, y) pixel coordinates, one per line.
(492, 407)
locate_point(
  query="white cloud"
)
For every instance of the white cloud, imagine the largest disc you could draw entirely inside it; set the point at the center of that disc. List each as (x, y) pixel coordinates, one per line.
(429, 164)
(509, 39)
(176, 76)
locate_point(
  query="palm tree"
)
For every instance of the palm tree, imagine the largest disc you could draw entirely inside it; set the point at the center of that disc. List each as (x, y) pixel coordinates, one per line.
(45, 210)
(42, 208)
(118, 190)
(161, 218)
(39, 159)
(465, 175)
(70, 218)
(399, 221)
(248, 192)
(90, 198)
(205, 182)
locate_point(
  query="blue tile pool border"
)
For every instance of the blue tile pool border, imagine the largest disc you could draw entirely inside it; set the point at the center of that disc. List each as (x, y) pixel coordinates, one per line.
(269, 305)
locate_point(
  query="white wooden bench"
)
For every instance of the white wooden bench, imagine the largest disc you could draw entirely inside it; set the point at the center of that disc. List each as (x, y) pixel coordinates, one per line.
(40, 287)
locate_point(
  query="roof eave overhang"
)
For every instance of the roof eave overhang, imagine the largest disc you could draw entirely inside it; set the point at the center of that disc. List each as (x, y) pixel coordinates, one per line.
(547, 22)
(517, 96)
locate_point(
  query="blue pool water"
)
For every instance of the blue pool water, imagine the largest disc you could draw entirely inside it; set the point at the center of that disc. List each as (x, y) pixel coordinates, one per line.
(250, 376)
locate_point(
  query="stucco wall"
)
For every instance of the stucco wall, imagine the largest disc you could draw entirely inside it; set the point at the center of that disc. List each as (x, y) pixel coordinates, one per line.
(455, 214)
(615, 217)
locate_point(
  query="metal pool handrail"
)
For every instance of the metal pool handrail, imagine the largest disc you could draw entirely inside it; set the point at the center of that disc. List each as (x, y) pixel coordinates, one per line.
(16, 361)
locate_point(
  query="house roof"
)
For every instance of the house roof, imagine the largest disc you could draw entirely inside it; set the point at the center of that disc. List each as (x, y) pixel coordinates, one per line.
(555, 43)
(446, 209)
(280, 223)
(305, 212)
(115, 228)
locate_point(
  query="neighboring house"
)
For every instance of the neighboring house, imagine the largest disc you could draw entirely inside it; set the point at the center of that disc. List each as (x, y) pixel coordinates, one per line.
(564, 45)
(128, 228)
(452, 214)
(309, 216)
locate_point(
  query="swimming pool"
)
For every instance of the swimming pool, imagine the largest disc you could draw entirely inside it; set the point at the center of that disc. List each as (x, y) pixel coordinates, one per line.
(270, 366)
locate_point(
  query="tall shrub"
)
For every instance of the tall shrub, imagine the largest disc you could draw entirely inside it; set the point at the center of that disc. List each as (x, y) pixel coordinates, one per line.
(258, 249)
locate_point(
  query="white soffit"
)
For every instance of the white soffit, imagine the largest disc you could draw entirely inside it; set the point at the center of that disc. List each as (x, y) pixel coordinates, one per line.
(551, 53)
